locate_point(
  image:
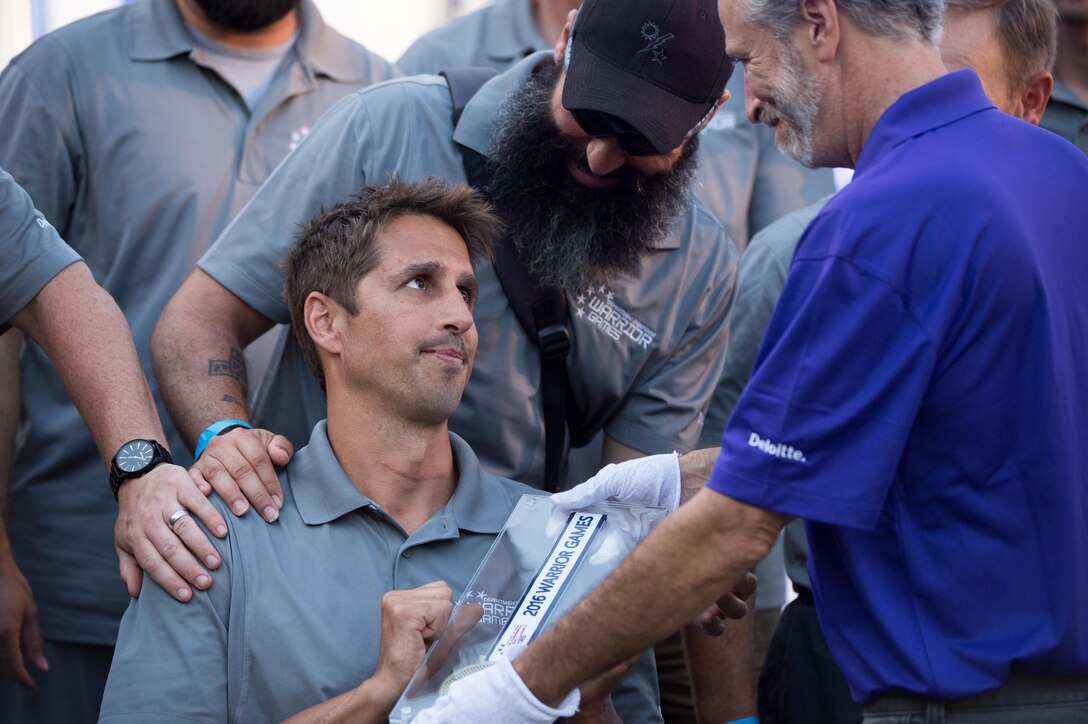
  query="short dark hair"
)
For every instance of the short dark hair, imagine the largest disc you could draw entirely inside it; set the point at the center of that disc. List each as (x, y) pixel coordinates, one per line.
(340, 245)
(1027, 31)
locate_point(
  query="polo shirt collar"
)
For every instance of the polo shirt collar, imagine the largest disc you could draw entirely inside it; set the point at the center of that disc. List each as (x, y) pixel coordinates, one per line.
(477, 503)
(159, 33)
(512, 32)
(324, 492)
(940, 102)
(477, 125)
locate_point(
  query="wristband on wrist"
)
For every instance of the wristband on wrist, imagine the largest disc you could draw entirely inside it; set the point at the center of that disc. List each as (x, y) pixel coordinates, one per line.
(214, 429)
(745, 720)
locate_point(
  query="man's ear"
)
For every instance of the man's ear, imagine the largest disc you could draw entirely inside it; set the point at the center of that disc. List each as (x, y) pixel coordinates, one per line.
(714, 111)
(820, 20)
(564, 38)
(1035, 97)
(320, 314)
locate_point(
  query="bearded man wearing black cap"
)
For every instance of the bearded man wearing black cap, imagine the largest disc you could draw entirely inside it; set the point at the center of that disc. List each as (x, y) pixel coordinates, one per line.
(588, 159)
(138, 132)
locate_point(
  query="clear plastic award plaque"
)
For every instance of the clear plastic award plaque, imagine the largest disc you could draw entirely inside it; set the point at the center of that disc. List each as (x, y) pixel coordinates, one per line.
(543, 562)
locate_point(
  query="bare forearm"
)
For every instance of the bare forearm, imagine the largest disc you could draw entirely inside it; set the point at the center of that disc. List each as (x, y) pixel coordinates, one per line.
(721, 670)
(86, 337)
(695, 469)
(369, 702)
(197, 351)
(616, 452)
(718, 540)
(10, 407)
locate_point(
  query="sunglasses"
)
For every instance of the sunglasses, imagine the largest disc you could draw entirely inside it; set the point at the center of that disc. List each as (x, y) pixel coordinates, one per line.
(605, 125)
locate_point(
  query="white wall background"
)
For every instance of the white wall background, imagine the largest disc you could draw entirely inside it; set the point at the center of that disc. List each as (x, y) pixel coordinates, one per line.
(387, 28)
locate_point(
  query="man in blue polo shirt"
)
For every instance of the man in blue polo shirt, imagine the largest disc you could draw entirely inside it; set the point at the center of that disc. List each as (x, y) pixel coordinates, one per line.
(919, 398)
(1011, 45)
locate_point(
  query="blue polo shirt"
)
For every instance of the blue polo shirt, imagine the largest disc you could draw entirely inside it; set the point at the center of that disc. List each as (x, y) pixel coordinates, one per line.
(921, 400)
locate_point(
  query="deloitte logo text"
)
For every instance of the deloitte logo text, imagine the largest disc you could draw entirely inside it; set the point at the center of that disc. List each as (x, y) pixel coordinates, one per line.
(776, 449)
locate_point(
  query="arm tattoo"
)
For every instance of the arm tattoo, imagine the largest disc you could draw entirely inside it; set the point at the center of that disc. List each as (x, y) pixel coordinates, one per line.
(234, 367)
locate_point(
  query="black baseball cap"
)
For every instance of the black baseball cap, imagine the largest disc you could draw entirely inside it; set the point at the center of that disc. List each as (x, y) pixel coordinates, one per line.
(657, 65)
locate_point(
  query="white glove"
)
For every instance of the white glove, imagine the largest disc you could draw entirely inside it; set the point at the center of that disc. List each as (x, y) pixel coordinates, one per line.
(496, 694)
(652, 480)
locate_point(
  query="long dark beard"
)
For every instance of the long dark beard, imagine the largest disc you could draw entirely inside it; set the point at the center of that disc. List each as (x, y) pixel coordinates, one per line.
(568, 235)
(246, 15)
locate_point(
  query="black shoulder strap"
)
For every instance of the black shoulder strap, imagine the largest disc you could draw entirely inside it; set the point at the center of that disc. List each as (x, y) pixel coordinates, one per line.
(463, 84)
(541, 310)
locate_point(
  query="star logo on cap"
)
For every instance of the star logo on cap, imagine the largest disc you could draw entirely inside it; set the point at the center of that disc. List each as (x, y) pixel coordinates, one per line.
(656, 42)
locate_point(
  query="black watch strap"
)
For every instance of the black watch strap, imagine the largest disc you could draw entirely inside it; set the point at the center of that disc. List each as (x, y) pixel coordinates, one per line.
(117, 476)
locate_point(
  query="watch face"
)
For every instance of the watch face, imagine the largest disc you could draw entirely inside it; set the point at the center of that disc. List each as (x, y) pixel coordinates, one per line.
(134, 455)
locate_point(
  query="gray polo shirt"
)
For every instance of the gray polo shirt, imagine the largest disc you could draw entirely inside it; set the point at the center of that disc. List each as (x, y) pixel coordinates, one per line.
(743, 178)
(762, 276)
(31, 251)
(1067, 115)
(646, 350)
(294, 614)
(138, 153)
(496, 36)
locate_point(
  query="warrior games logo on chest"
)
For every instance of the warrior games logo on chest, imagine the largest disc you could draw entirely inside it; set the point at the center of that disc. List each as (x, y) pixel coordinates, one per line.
(598, 306)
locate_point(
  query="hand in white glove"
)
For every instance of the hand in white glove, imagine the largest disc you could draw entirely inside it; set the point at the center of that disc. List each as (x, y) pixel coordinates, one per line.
(496, 694)
(652, 480)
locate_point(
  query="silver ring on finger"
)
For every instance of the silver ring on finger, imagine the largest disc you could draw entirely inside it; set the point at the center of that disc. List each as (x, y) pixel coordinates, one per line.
(176, 517)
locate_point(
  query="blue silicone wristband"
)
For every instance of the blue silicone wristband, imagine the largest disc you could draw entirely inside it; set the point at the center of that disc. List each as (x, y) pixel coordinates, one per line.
(745, 720)
(214, 429)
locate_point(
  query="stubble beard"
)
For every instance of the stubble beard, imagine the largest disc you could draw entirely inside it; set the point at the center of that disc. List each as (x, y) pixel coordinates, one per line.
(796, 105)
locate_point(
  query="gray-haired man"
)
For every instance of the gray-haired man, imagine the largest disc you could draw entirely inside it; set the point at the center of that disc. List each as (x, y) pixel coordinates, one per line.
(1010, 44)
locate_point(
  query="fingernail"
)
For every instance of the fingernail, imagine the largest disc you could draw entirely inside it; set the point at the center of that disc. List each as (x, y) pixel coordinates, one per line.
(271, 514)
(212, 561)
(42, 663)
(203, 581)
(277, 501)
(239, 507)
(184, 594)
(221, 530)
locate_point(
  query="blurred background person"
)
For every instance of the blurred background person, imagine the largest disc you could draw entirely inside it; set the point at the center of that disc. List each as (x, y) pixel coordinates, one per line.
(139, 133)
(1067, 114)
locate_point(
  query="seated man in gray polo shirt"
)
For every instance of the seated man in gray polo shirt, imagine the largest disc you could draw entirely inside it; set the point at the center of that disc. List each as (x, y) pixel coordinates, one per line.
(386, 513)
